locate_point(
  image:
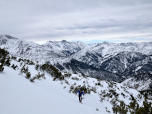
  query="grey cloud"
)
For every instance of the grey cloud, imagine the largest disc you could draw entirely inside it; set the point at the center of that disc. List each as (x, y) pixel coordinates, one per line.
(42, 20)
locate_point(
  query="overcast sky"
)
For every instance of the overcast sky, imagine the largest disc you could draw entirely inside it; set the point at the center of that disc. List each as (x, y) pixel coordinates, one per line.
(72, 20)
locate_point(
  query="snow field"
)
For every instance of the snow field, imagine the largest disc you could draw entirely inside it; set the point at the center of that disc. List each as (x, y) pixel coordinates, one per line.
(45, 96)
(20, 96)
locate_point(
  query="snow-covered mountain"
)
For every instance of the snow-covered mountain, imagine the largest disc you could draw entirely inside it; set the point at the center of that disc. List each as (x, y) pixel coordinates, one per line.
(140, 82)
(114, 57)
(122, 61)
(54, 92)
(67, 48)
(108, 59)
(78, 67)
(50, 51)
(142, 66)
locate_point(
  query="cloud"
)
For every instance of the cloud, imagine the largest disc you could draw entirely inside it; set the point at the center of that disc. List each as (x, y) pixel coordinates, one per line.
(86, 20)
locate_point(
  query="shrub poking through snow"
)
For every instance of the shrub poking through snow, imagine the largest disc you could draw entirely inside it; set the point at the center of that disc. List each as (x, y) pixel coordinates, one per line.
(3, 56)
(54, 79)
(1, 68)
(38, 76)
(51, 70)
(99, 84)
(32, 79)
(14, 58)
(37, 67)
(14, 66)
(67, 82)
(23, 70)
(93, 89)
(61, 78)
(132, 108)
(75, 78)
(67, 75)
(72, 87)
(28, 75)
(7, 62)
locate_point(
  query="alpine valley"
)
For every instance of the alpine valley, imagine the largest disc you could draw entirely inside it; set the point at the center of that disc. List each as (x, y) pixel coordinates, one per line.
(105, 61)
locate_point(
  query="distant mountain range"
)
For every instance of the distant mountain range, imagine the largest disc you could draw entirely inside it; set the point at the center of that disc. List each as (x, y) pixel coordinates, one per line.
(107, 61)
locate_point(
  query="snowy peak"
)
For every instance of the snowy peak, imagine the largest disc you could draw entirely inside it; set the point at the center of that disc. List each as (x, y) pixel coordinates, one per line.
(124, 59)
(5, 36)
(115, 48)
(65, 44)
(65, 47)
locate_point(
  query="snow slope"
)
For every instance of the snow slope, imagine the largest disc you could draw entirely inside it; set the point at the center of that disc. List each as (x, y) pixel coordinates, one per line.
(45, 96)
(20, 96)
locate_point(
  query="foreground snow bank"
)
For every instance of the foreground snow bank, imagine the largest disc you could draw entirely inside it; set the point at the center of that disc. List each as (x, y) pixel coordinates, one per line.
(20, 96)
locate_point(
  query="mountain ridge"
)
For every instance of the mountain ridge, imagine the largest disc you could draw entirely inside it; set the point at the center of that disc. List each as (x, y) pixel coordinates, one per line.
(125, 59)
